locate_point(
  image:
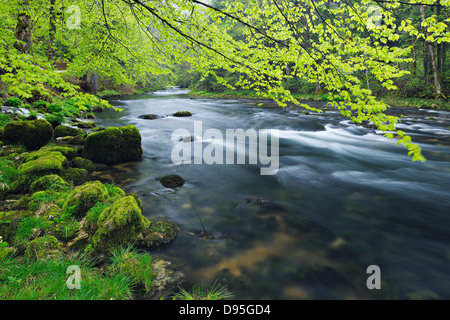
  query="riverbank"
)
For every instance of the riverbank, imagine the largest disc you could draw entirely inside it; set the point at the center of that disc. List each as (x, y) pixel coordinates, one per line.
(393, 101)
(56, 214)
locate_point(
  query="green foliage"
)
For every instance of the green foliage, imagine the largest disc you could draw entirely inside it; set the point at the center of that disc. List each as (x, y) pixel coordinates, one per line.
(8, 173)
(13, 102)
(54, 107)
(56, 118)
(4, 119)
(40, 104)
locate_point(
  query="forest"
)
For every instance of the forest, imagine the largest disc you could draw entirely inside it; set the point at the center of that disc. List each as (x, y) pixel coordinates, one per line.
(65, 62)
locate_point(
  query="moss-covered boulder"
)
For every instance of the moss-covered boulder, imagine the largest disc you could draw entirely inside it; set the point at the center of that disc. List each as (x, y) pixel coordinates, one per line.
(182, 114)
(66, 151)
(32, 134)
(83, 163)
(87, 124)
(39, 165)
(51, 181)
(119, 225)
(76, 176)
(114, 145)
(65, 131)
(158, 233)
(84, 197)
(42, 248)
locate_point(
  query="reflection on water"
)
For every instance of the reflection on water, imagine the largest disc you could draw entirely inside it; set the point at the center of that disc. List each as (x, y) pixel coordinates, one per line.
(344, 198)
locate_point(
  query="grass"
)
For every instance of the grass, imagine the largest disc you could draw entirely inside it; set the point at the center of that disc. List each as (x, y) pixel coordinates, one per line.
(201, 292)
(22, 279)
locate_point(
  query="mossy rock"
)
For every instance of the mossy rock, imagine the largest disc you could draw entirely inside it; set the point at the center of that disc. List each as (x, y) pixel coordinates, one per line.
(32, 134)
(9, 222)
(119, 225)
(82, 163)
(36, 166)
(65, 131)
(42, 248)
(87, 124)
(182, 114)
(76, 176)
(114, 145)
(51, 181)
(172, 181)
(66, 151)
(21, 204)
(149, 116)
(85, 197)
(158, 233)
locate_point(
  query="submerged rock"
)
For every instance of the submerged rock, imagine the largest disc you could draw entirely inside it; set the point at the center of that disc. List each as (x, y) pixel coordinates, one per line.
(158, 233)
(114, 145)
(172, 181)
(150, 116)
(33, 133)
(182, 114)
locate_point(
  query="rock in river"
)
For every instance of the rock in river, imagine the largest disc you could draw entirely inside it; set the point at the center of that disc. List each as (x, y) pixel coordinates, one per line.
(114, 145)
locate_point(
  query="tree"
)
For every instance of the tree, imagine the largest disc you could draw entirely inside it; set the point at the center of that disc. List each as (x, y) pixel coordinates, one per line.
(437, 84)
(341, 44)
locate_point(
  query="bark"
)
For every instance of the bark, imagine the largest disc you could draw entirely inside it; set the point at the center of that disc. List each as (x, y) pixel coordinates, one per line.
(437, 84)
(23, 29)
(52, 31)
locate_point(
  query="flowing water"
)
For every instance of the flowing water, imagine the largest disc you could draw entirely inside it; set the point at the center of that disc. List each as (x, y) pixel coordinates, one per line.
(344, 198)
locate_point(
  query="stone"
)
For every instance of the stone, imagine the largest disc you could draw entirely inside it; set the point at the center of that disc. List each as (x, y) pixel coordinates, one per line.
(32, 133)
(114, 145)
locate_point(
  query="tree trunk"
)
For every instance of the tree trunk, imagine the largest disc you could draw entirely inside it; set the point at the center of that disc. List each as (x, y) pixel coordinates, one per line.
(414, 62)
(52, 32)
(94, 78)
(23, 29)
(437, 84)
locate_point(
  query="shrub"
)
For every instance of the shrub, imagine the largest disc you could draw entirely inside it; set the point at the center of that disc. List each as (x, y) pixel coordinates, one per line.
(13, 102)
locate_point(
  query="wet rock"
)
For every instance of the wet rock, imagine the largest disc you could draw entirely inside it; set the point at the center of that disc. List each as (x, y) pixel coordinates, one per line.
(157, 234)
(149, 116)
(172, 181)
(182, 114)
(86, 125)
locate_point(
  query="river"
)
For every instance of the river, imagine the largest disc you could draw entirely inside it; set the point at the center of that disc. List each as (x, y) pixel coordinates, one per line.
(344, 198)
